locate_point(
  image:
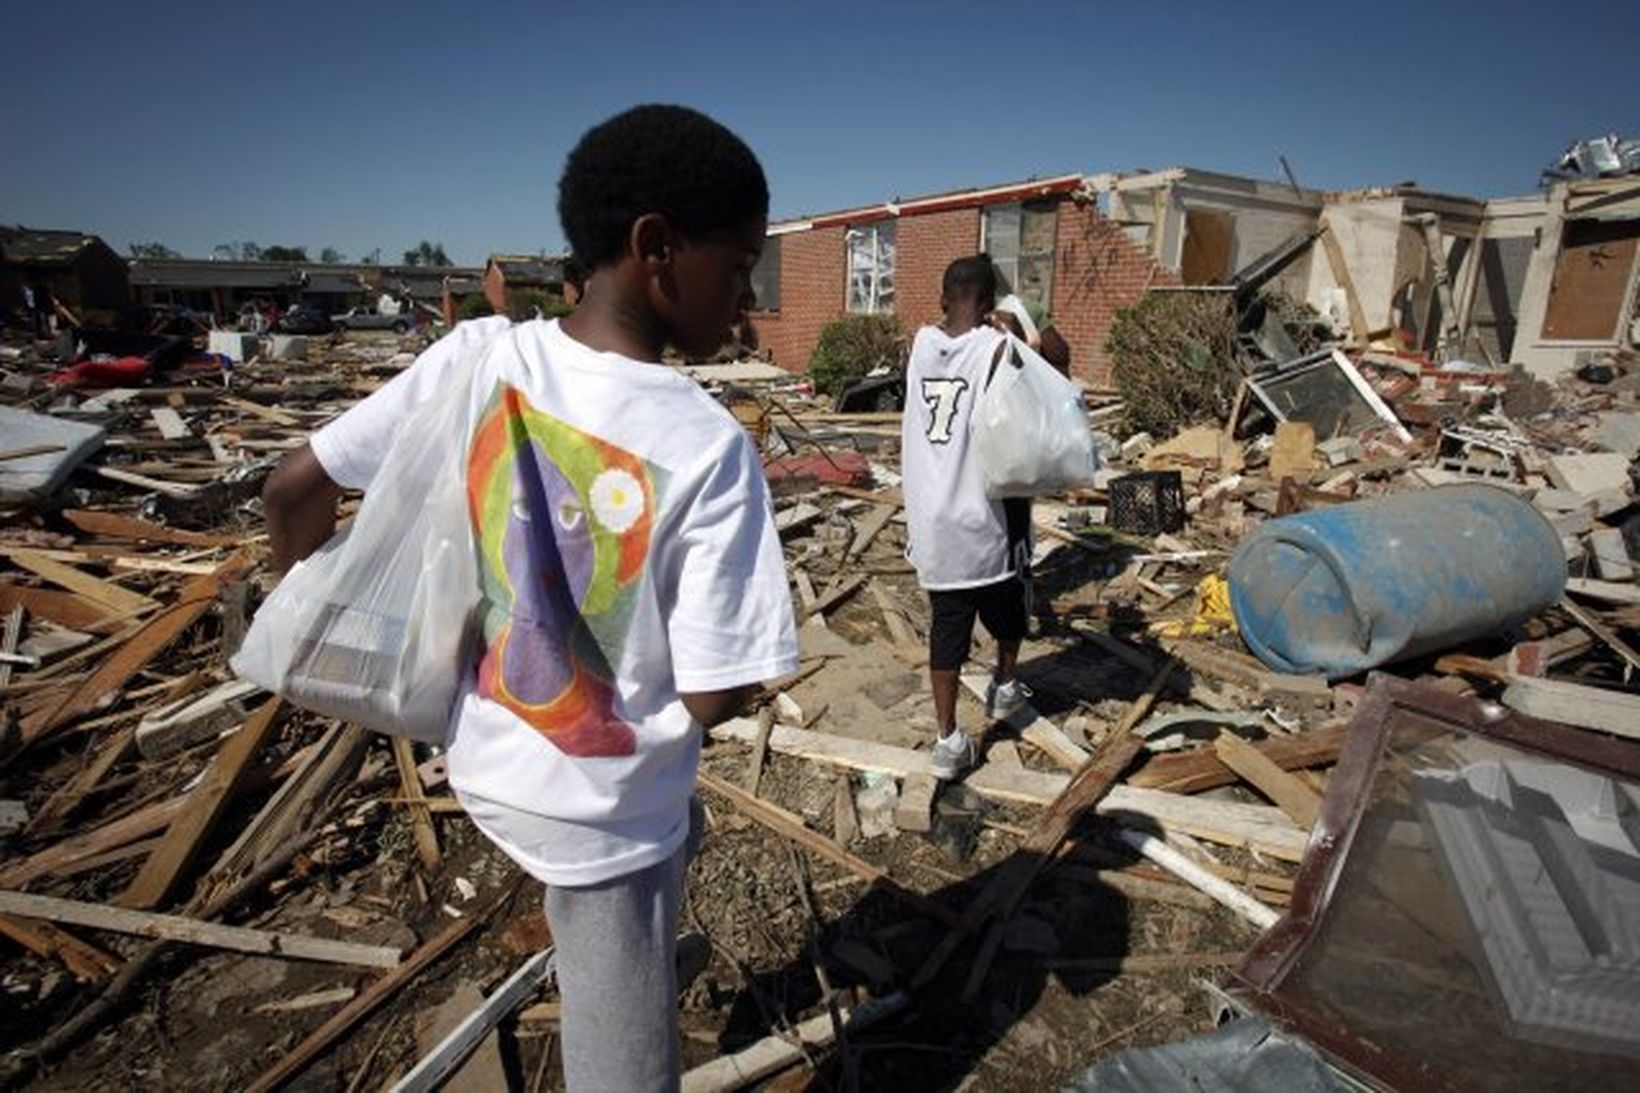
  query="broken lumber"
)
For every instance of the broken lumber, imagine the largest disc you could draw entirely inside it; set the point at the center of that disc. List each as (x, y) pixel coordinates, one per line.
(792, 827)
(148, 642)
(117, 833)
(777, 1052)
(1289, 794)
(113, 598)
(85, 962)
(207, 802)
(1193, 771)
(873, 524)
(441, 1062)
(1616, 712)
(837, 595)
(1036, 730)
(116, 526)
(319, 1041)
(421, 818)
(1227, 822)
(192, 719)
(196, 932)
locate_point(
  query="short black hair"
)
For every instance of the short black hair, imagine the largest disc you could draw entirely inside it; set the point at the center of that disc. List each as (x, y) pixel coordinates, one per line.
(662, 159)
(973, 276)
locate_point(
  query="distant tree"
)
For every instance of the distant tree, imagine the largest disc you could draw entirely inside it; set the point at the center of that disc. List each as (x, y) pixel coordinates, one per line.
(330, 256)
(241, 252)
(374, 258)
(427, 254)
(151, 250)
(284, 254)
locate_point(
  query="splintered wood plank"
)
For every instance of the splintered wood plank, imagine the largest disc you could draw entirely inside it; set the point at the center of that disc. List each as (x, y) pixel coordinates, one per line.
(207, 802)
(1194, 771)
(1229, 823)
(135, 654)
(84, 961)
(118, 600)
(196, 931)
(169, 423)
(63, 608)
(79, 848)
(115, 525)
(1036, 730)
(421, 819)
(72, 792)
(792, 827)
(1289, 794)
(298, 1058)
(875, 521)
(838, 594)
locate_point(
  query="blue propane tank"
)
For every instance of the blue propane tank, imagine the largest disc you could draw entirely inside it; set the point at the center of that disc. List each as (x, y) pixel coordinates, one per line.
(1342, 589)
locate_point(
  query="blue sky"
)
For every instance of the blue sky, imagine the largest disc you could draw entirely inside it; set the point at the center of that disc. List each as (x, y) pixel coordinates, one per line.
(364, 125)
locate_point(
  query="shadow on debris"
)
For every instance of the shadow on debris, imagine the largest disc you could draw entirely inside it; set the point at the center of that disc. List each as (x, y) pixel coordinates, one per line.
(951, 1022)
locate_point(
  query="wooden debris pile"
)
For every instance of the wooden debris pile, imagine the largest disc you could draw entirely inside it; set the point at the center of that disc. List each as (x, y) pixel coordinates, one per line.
(244, 893)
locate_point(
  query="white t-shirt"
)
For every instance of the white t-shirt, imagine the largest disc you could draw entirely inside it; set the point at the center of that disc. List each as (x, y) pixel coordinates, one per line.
(958, 536)
(627, 552)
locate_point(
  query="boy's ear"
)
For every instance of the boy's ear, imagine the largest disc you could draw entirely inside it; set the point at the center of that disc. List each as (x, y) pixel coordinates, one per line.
(650, 240)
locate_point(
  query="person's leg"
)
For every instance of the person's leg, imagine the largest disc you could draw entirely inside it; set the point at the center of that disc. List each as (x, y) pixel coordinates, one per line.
(616, 944)
(950, 637)
(1002, 609)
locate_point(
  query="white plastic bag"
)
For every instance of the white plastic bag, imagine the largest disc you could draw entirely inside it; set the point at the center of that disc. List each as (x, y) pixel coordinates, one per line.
(376, 626)
(1030, 432)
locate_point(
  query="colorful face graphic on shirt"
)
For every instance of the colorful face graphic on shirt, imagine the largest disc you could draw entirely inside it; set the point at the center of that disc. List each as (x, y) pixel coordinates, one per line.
(562, 520)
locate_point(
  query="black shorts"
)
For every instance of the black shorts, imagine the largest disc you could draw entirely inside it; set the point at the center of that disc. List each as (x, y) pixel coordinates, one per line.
(1000, 606)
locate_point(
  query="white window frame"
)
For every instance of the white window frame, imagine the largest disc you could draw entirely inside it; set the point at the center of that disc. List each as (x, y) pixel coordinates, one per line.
(870, 290)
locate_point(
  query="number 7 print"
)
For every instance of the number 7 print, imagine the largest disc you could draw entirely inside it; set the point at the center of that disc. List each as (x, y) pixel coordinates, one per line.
(942, 397)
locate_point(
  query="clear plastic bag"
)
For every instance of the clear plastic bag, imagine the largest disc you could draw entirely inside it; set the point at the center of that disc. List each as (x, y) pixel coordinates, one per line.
(376, 627)
(1029, 429)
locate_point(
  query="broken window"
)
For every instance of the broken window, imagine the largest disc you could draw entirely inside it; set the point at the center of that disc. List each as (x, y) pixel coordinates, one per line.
(766, 276)
(1592, 278)
(1019, 237)
(871, 267)
(1467, 912)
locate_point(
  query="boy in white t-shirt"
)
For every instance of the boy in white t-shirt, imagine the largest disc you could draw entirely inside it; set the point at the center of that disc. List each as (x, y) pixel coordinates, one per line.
(633, 585)
(971, 553)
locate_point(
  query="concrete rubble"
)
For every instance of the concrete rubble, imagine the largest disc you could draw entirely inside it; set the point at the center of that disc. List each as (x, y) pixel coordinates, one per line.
(1006, 924)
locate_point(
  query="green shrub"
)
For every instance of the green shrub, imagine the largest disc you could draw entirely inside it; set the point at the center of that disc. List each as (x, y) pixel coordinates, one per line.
(522, 304)
(851, 347)
(1173, 359)
(475, 306)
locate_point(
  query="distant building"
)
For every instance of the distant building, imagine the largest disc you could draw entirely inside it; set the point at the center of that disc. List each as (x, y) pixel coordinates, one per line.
(1539, 280)
(79, 270)
(508, 275)
(220, 288)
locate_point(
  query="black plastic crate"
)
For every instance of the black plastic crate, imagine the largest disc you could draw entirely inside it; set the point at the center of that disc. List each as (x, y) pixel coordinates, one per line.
(1147, 503)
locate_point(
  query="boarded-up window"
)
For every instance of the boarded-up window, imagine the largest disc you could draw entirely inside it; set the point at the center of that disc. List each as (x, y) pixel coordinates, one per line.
(766, 276)
(1019, 237)
(871, 267)
(1207, 244)
(1592, 278)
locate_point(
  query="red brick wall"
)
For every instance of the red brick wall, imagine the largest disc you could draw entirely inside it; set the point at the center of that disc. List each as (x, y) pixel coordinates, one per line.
(812, 271)
(1097, 272)
(925, 246)
(495, 289)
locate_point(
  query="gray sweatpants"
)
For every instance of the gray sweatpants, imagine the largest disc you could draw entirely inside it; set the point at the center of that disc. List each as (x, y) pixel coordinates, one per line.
(617, 947)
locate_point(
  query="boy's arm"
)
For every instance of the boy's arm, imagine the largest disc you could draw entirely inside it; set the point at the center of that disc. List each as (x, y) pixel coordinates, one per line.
(299, 500)
(711, 708)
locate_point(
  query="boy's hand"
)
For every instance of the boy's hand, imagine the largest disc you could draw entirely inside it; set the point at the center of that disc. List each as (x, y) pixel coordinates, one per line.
(1007, 322)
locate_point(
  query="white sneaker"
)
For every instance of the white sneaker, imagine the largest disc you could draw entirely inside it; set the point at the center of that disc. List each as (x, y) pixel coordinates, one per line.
(952, 754)
(1004, 700)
